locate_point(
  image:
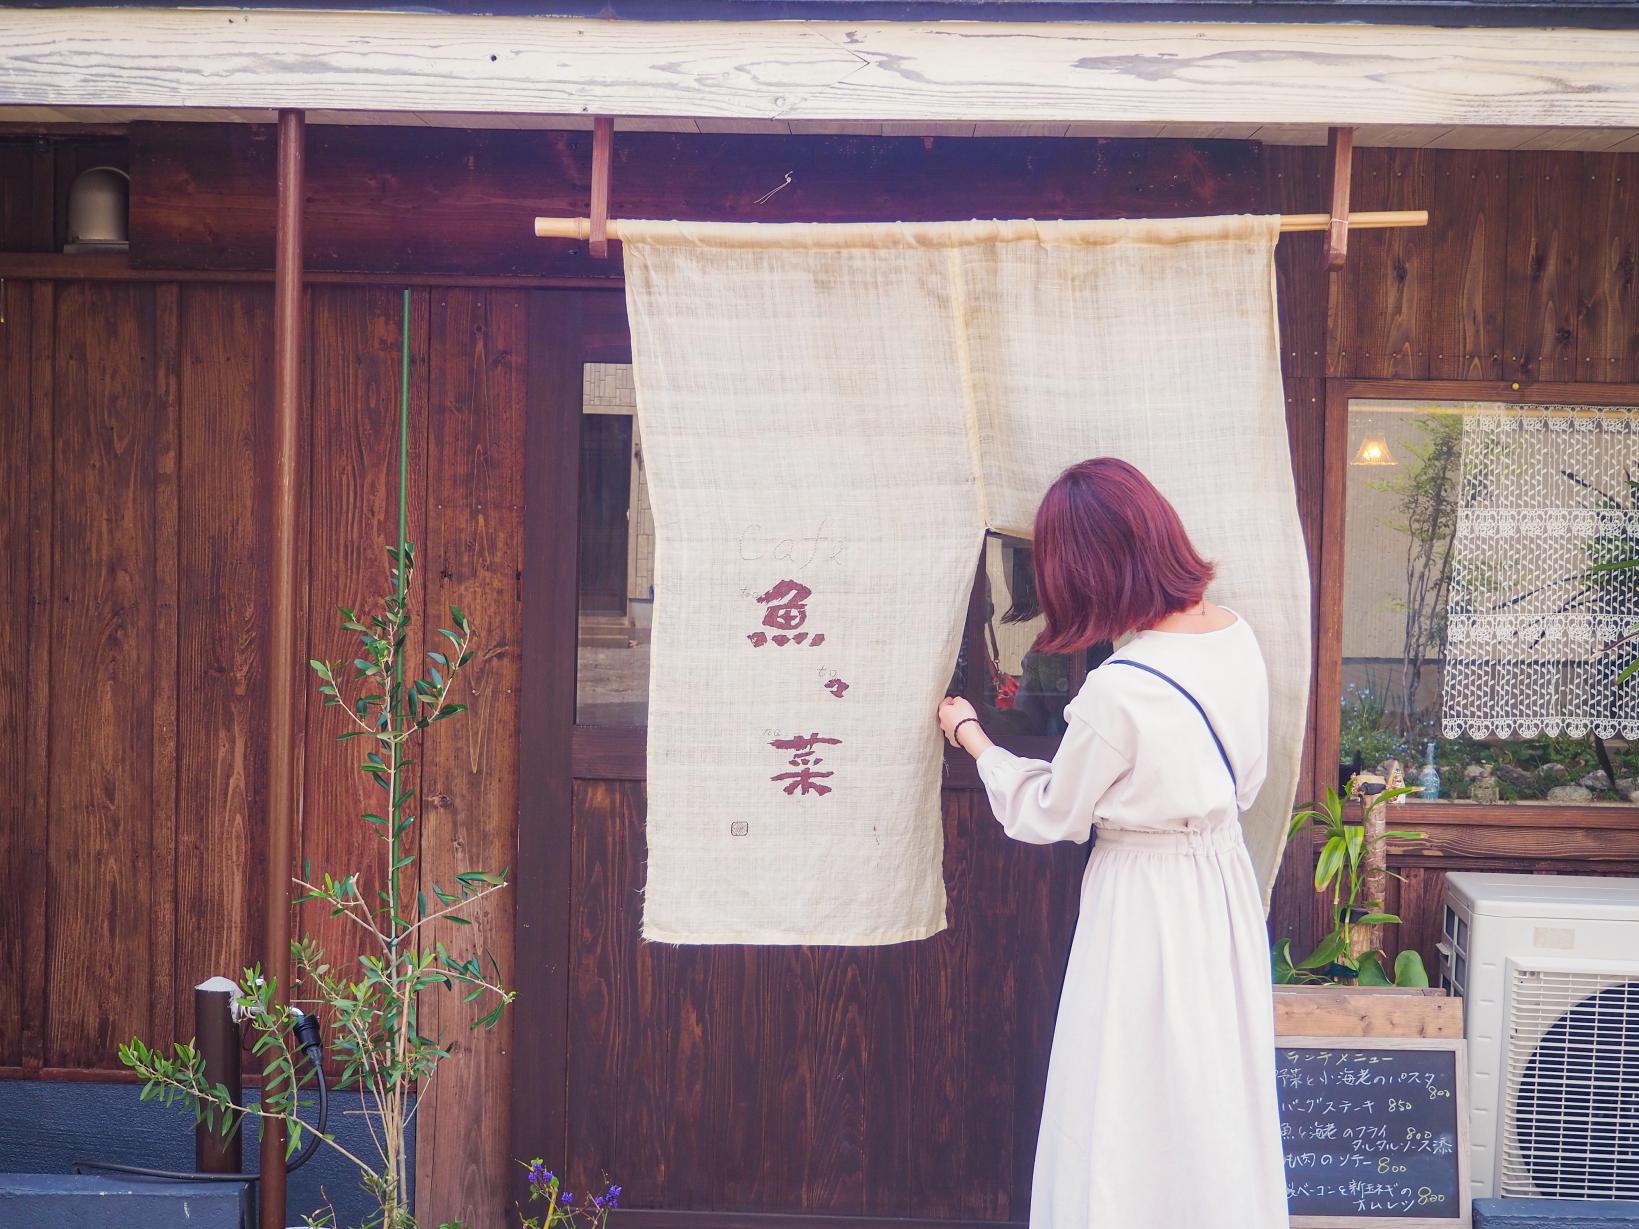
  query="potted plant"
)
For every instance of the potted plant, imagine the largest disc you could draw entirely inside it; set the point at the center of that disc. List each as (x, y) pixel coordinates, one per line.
(1349, 984)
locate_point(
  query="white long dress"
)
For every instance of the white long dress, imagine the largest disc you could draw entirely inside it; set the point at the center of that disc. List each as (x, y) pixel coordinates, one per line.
(1160, 1109)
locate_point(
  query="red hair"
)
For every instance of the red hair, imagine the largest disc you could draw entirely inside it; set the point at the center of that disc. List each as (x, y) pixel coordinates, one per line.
(1111, 556)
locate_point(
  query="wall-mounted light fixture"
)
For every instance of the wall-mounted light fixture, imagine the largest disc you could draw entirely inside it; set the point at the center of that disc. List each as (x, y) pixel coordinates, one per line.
(98, 209)
(1374, 450)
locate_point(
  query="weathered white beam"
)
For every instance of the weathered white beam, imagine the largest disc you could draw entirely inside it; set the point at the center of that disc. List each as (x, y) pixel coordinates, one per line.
(1407, 135)
(1485, 136)
(892, 72)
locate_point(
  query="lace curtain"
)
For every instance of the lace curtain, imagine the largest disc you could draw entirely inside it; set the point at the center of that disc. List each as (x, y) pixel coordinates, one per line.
(1534, 627)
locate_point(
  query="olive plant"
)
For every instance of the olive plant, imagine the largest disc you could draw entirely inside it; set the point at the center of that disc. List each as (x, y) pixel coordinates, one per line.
(371, 1007)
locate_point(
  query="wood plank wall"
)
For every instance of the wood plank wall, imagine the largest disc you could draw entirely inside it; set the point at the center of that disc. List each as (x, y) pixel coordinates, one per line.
(1527, 272)
(133, 500)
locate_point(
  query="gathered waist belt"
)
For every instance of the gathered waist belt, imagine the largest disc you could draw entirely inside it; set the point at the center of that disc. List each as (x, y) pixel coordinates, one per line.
(1187, 841)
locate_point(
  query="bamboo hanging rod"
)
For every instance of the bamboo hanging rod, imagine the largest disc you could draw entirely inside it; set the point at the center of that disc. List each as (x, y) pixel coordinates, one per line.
(581, 228)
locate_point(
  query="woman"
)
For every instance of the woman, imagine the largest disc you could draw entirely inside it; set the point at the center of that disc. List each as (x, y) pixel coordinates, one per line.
(1160, 1108)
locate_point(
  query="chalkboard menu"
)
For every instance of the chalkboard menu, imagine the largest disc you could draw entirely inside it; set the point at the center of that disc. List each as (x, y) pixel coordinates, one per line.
(1375, 1133)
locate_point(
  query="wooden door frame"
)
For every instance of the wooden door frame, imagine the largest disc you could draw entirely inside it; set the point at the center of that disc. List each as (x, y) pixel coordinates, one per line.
(567, 329)
(546, 718)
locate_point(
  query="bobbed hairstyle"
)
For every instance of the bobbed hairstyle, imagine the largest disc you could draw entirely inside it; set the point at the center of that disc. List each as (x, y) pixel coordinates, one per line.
(1111, 557)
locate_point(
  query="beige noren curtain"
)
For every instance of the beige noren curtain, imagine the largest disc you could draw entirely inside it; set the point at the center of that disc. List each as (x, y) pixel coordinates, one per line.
(832, 416)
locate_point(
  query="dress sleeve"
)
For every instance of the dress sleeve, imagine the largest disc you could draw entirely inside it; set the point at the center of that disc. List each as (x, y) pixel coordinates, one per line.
(1040, 802)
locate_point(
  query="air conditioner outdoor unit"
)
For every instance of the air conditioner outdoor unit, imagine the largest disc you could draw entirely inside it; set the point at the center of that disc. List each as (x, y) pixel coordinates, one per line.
(1548, 969)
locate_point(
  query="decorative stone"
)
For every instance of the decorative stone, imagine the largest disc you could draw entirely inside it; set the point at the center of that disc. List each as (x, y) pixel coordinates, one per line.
(1474, 772)
(1570, 794)
(1513, 774)
(1485, 789)
(1551, 771)
(1595, 781)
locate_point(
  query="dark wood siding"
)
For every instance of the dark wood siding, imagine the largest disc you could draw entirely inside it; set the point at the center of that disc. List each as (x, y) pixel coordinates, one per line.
(224, 491)
(460, 203)
(473, 544)
(894, 1081)
(109, 887)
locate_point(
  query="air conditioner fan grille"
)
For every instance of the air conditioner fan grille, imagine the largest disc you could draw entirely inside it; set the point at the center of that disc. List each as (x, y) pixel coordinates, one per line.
(1573, 1087)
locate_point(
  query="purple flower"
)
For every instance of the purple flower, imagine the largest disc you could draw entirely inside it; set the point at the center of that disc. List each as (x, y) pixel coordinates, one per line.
(614, 1196)
(566, 1198)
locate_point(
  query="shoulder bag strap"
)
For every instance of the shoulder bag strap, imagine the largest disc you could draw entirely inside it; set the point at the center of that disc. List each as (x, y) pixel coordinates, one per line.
(1184, 691)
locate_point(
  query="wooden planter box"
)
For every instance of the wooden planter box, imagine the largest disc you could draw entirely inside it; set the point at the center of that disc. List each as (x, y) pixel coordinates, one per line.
(1369, 1011)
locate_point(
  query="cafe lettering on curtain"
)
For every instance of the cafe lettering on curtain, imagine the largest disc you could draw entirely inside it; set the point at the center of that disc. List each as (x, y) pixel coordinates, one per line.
(832, 416)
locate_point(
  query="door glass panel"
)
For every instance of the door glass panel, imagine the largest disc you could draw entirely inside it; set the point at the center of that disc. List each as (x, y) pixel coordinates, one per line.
(616, 572)
(1016, 690)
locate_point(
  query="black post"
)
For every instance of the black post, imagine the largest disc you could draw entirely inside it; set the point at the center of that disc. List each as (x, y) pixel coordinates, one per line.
(217, 1037)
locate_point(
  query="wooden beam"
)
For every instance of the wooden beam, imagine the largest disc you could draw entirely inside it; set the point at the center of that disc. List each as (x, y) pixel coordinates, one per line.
(461, 202)
(603, 152)
(429, 63)
(114, 121)
(1344, 1011)
(282, 786)
(1340, 152)
(117, 267)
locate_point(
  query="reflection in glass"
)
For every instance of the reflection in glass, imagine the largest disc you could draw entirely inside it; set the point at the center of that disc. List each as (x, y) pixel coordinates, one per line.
(1016, 690)
(616, 571)
(1402, 503)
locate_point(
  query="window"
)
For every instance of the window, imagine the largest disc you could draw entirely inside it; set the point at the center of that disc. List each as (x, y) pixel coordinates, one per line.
(1018, 692)
(1483, 622)
(616, 578)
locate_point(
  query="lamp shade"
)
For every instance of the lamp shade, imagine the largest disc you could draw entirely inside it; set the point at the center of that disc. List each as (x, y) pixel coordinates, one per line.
(1374, 450)
(97, 210)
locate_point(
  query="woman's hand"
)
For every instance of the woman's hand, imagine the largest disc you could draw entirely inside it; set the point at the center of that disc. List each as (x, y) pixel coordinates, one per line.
(951, 710)
(970, 737)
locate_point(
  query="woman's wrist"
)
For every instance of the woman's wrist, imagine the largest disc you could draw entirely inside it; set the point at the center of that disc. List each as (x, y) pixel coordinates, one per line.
(970, 736)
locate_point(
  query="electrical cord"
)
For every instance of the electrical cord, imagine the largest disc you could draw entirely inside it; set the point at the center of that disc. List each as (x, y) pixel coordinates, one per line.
(306, 1029)
(164, 1175)
(307, 1037)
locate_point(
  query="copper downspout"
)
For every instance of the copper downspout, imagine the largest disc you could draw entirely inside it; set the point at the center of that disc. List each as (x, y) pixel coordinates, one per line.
(283, 661)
